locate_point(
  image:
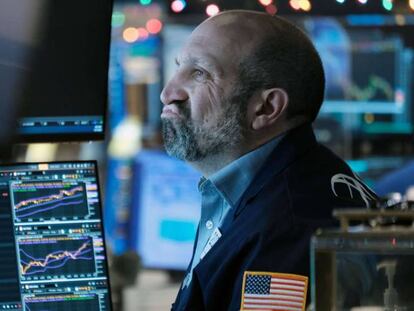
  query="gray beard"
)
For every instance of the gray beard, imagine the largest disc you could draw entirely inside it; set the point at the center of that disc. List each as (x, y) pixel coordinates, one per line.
(191, 142)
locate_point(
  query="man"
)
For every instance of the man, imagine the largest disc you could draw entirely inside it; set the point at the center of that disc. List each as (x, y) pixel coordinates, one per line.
(239, 109)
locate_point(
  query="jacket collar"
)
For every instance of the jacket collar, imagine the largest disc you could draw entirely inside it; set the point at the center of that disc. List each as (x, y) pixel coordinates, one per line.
(293, 145)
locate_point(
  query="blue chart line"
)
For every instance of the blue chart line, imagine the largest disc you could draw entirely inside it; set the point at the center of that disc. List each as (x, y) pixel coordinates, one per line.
(49, 200)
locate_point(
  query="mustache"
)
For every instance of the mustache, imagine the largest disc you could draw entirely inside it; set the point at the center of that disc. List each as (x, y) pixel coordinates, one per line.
(183, 108)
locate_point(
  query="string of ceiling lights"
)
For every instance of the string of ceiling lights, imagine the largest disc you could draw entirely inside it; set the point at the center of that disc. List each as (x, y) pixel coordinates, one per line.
(153, 24)
(178, 6)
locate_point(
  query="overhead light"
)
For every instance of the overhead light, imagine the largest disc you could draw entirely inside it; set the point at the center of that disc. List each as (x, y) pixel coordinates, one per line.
(178, 5)
(266, 2)
(154, 26)
(212, 9)
(130, 34)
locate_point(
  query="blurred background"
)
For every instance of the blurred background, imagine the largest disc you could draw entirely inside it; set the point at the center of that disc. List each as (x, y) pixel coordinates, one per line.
(151, 204)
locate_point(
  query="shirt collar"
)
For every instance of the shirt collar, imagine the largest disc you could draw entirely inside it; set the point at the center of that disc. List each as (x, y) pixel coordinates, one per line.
(234, 179)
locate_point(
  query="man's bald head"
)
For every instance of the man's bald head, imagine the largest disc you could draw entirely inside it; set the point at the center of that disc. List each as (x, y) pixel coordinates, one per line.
(243, 23)
(242, 78)
(243, 28)
(275, 53)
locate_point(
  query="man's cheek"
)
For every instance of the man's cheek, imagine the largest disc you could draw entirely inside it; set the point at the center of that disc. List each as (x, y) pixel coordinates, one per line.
(215, 95)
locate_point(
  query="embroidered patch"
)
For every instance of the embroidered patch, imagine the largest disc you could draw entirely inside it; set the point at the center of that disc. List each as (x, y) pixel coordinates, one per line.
(353, 184)
(273, 291)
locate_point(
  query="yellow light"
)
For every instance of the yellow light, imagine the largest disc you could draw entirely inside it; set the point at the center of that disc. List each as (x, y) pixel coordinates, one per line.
(130, 34)
(411, 4)
(400, 19)
(305, 5)
(369, 118)
(43, 166)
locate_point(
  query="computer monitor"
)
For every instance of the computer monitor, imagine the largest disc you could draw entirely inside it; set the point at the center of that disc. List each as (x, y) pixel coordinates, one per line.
(54, 59)
(166, 210)
(52, 248)
(367, 61)
(350, 55)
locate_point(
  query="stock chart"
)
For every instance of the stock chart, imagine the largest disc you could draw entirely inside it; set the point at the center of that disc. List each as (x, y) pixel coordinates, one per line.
(46, 200)
(50, 221)
(56, 257)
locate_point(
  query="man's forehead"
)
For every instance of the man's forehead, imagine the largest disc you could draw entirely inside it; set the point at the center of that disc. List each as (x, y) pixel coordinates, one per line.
(219, 41)
(208, 37)
(201, 57)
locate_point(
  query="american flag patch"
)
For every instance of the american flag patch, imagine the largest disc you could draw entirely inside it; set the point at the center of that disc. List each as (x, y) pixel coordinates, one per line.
(266, 291)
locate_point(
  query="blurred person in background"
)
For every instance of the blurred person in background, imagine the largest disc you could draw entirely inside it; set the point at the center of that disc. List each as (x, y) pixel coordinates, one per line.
(239, 108)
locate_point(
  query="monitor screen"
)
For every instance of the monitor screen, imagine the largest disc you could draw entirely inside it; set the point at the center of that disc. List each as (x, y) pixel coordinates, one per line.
(52, 250)
(166, 210)
(59, 57)
(367, 61)
(351, 54)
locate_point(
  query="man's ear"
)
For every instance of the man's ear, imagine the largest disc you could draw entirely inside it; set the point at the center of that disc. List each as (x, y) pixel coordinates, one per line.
(270, 107)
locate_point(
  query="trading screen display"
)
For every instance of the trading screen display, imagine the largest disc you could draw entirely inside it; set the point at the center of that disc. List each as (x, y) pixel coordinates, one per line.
(52, 252)
(365, 65)
(54, 59)
(365, 81)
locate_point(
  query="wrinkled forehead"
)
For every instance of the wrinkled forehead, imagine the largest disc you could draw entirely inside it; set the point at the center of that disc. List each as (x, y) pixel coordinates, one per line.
(224, 39)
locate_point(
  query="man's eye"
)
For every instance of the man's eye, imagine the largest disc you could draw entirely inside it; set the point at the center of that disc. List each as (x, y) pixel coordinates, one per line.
(199, 74)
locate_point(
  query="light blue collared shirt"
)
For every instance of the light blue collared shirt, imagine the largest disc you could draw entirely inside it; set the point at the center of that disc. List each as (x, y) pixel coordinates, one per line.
(222, 191)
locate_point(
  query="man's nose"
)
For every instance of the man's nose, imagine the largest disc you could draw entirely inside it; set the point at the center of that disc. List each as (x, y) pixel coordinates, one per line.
(173, 92)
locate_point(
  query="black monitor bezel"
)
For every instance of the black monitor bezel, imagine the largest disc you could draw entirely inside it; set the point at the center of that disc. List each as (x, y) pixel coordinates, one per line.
(95, 165)
(77, 137)
(61, 137)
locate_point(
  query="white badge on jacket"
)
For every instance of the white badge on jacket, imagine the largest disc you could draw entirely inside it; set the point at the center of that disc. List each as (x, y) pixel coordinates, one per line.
(214, 237)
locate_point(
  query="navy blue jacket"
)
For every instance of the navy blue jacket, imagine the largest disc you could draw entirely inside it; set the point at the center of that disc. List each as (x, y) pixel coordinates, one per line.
(269, 230)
